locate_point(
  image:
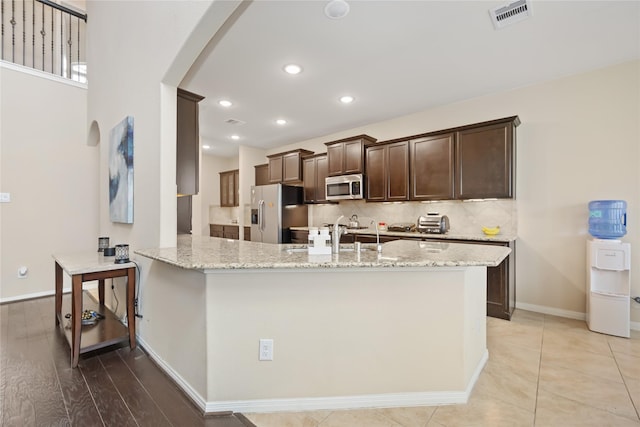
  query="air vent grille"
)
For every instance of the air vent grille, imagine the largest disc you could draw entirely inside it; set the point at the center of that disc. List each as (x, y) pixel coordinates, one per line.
(234, 122)
(510, 13)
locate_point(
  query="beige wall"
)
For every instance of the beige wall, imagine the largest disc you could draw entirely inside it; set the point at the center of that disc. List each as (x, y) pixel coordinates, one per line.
(52, 175)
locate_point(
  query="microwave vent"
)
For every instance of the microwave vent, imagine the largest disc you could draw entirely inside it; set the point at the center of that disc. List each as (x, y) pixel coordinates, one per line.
(510, 13)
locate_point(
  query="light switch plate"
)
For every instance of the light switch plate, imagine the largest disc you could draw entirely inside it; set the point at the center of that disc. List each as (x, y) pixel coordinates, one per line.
(5, 197)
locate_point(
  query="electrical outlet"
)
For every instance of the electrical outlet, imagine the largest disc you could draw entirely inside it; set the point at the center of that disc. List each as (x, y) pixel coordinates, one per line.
(5, 197)
(266, 349)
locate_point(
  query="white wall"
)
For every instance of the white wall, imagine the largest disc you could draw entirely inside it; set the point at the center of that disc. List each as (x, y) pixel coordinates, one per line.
(52, 175)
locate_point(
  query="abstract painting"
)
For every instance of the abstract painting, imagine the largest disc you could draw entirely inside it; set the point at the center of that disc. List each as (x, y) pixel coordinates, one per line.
(121, 172)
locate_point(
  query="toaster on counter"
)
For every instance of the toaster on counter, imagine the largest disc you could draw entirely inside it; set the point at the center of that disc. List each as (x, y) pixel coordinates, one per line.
(433, 222)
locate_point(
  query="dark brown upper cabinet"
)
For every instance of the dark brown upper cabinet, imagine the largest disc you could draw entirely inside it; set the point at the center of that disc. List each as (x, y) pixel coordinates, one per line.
(485, 160)
(187, 143)
(262, 174)
(287, 167)
(432, 167)
(387, 167)
(346, 156)
(314, 173)
(229, 183)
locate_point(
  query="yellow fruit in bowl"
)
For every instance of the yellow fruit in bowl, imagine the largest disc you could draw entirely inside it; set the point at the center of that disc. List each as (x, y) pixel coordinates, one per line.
(491, 231)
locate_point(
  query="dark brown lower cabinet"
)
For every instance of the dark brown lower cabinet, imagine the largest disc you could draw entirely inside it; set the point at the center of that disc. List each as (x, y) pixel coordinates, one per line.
(247, 233)
(224, 231)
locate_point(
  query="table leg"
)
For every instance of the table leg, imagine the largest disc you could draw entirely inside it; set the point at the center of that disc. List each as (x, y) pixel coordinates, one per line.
(58, 293)
(76, 318)
(131, 318)
(101, 291)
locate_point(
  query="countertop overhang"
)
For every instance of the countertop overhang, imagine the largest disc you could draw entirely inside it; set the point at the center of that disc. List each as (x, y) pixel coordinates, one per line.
(211, 253)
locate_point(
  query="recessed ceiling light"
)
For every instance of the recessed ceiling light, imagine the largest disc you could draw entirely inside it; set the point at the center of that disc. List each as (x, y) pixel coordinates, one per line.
(336, 9)
(281, 121)
(206, 147)
(225, 103)
(235, 137)
(347, 99)
(293, 69)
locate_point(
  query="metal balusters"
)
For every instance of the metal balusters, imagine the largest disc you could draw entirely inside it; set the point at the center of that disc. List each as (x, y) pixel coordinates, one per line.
(42, 33)
(20, 42)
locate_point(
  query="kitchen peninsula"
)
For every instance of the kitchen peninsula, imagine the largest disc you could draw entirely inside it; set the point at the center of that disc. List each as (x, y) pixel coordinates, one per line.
(356, 329)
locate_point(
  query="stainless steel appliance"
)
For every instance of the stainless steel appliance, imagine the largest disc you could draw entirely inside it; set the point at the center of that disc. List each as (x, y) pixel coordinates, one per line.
(275, 208)
(433, 222)
(344, 187)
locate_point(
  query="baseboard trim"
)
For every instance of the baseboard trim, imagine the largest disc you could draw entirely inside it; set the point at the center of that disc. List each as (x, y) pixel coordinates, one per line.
(32, 296)
(195, 397)
(387, 400)
(634, 326)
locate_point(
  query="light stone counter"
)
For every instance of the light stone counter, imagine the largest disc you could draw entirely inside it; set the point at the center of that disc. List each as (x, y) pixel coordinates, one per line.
(206, 253)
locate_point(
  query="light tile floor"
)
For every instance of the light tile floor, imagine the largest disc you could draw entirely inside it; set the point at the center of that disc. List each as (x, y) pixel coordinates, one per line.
(542, 371)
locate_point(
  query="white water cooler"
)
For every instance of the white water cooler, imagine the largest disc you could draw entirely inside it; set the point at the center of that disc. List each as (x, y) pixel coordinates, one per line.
(608, 287)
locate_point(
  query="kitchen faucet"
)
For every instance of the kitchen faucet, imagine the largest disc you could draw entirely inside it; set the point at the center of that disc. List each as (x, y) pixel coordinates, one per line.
(335, 235)
(378, 245)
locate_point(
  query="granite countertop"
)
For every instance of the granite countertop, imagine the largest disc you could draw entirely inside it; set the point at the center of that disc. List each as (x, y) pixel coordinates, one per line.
(203, 253)
(479, 236)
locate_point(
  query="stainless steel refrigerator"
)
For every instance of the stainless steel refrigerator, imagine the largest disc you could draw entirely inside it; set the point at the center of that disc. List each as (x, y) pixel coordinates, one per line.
(274, 209)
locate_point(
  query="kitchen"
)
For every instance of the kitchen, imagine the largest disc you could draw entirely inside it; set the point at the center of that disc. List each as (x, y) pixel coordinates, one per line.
(563, 120)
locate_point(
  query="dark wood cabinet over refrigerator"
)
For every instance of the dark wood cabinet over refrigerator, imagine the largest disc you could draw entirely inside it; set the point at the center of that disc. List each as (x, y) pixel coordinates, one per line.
(286, 167)
(187, 143)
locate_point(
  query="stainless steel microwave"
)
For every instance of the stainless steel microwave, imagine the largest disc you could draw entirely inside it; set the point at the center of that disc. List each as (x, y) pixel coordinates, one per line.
(345, 187)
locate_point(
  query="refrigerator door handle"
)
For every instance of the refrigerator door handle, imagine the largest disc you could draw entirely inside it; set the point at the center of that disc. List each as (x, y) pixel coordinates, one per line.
(261, 215)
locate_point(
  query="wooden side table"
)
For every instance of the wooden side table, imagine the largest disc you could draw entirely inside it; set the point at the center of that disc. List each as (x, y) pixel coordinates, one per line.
(85, 267)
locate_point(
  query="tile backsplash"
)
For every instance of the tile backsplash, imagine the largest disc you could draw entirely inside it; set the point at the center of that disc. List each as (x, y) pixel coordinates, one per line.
(465, 217)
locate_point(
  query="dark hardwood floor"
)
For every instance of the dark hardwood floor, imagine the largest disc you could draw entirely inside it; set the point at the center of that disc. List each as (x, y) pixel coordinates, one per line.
(115, 388)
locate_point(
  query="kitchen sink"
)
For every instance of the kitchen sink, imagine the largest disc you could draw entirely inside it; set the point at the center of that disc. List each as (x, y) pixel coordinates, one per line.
(299, 248)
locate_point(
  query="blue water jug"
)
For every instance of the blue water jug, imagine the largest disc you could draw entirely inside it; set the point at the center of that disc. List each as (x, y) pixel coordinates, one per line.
(608, 219)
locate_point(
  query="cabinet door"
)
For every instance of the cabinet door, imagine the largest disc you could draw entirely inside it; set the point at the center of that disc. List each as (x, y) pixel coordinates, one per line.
(335, 154)
(322, 171)
(484, 164)
(432, 166)
(376, 179)
(309, 180)
(397, 171)
(187, 146)
(236, 187)
(216, 230)
(353, 156)
(291, 166)
(275, 170)
(224, 185)
(262, 174)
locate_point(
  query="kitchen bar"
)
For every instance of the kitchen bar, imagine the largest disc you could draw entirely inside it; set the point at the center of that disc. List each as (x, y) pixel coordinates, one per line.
(356, 329)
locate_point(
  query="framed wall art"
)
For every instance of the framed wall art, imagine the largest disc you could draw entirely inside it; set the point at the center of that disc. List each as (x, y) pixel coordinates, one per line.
(121, 172)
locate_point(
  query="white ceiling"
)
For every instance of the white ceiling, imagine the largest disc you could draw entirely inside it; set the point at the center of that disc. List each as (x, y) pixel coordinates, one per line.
(394, 57)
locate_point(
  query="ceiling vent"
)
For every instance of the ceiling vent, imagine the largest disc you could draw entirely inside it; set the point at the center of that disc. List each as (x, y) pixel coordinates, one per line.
(510, 13)
(235, 122)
